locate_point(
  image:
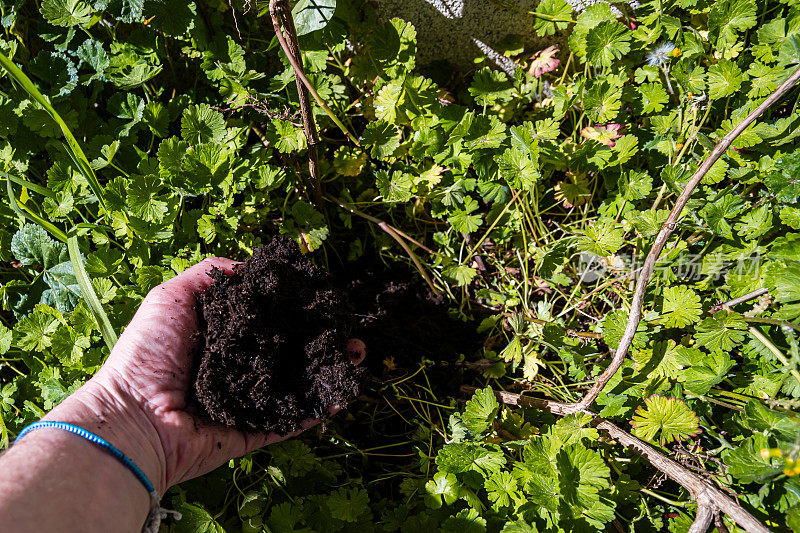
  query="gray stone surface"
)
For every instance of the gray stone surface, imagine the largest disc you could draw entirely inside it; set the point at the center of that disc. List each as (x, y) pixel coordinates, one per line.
(460, 30)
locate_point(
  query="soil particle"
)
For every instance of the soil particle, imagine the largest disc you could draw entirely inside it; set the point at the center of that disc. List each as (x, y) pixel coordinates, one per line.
(275, 333)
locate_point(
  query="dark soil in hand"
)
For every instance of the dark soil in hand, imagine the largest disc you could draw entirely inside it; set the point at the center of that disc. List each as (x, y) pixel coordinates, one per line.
(275, 334)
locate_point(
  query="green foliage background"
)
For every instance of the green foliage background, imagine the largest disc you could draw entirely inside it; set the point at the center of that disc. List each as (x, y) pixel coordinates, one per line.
(169, 131)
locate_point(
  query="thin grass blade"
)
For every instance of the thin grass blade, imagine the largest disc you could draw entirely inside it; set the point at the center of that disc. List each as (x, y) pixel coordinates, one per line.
(85, 283)
(30, 215)
(75, 149)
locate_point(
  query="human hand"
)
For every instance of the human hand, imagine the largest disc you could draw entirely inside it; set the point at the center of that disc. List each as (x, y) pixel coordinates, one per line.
(140, 393)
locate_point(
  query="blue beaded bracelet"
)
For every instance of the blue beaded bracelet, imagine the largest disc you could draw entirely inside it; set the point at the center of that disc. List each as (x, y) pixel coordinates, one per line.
(95, 439)
(156, 512)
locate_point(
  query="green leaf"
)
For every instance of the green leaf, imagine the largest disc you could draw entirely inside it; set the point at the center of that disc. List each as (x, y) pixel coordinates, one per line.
(175, 19)
(195, 519)
(465, 521)
(35, 331)
(790, 50)
(485, 133)
(32, 245)
(543, 490)
(146, 199)
(490, 87)
(6, 336)
(669, 418)
(754, 223)
(724, 79)
(783, 281)
(394, 46)
(614, 325)
(201, 124)
(387, 101)
(552, 15)
(286, 137)
(312, 15)
(502, 489)
(92, 53)
(348, 505)
(652, 97)
(705, 370)
(462, 275)
(56, 70)
(648, 223)
(66, 12)
(784, 182)
(581, 475)
(69, 345)
(681, 307)
(588, 19)
(727, 17)
(480, 411)
(519, 526)
(307, 226)
(458, 458)
(607, 42)
(665, 360)
(518, 166)
(573, 428)
(462, 219)
(783, 425)
(442, 488)
(790, 216)
(635, 185)
(60, 205)
(382, 138)
(602, 238)
(395, 187)
(132, 10)
(746, 463)
(602, 102)
(53, 387)
(721, 332)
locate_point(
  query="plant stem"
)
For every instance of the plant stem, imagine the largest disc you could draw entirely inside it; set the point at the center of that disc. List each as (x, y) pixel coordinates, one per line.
(775, 351)
(298, 69)
(282, 16)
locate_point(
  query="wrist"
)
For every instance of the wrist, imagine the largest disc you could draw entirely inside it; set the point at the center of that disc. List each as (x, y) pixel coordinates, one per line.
(115, 416)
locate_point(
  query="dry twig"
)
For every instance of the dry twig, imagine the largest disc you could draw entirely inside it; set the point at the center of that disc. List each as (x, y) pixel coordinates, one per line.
(297, 61)
(281, 16)
(661, 240)
(710, 500)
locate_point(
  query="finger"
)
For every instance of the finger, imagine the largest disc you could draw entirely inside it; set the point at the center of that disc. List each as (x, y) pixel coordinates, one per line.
(272, 438)
(356, 351)
(197, 278)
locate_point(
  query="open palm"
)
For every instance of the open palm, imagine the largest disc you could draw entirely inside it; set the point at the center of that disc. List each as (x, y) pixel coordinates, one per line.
(152, 364)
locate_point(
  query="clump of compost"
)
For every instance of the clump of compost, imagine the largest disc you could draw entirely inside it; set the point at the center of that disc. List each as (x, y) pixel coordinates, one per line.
(275, 336)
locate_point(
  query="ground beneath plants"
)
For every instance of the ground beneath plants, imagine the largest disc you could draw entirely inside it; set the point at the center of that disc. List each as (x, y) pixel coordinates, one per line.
(402, 322)
(275, 334)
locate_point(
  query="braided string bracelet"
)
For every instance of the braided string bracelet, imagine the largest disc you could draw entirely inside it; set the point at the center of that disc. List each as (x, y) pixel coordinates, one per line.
(156, 514)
